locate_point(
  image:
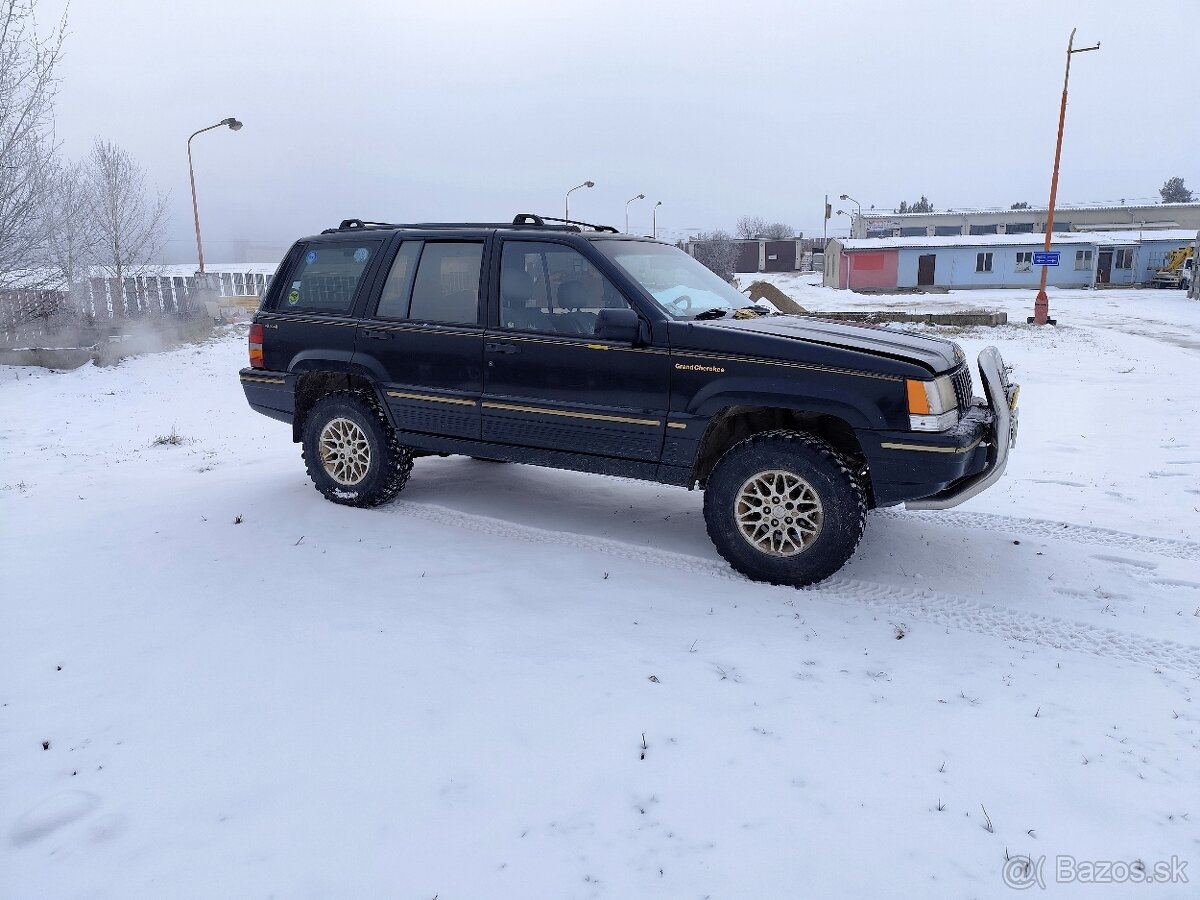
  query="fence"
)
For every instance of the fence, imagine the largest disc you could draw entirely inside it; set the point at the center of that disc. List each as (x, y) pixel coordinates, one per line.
(100, 305)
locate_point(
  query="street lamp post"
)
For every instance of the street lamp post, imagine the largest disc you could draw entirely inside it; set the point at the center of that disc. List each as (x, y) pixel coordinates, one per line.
(654, 220)
(1041, 306)
(855, 224)
(850, 216)
(234, 125)
(567, 199)
(627, 202)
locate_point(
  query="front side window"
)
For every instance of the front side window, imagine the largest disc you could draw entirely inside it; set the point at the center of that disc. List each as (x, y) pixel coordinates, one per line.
(682, 287)
(1024, 261)
(983, 262)
(1124, 258)
(1083, 260)
(552, 287)
(446, 288)
(326, 278)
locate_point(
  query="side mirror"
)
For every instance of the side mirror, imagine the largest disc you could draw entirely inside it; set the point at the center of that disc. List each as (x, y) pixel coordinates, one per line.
(622, 325)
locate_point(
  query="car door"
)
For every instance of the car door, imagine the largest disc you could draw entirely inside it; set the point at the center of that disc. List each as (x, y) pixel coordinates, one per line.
(549, 381)
(423, 338)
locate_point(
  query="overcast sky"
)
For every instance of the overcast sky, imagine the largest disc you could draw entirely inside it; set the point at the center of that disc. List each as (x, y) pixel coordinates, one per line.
(457, 110)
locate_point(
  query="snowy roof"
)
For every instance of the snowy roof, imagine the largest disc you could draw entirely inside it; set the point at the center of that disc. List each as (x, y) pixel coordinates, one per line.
(873, 214)
(1182, 235)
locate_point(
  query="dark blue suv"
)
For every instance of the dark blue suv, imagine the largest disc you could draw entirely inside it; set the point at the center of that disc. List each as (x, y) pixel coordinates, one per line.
(573, 346)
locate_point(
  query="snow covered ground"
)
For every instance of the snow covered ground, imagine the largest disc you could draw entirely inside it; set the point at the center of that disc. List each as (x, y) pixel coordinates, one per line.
(515, 682)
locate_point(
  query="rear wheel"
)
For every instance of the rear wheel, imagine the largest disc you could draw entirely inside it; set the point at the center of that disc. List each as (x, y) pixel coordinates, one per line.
(784, 507)
(351, 452)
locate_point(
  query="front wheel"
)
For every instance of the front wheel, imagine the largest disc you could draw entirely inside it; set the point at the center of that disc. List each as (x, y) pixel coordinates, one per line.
(784, 507)
(351, 452)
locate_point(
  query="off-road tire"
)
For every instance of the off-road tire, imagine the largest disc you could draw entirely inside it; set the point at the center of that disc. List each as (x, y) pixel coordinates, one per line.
(389, 465)
(842, 503)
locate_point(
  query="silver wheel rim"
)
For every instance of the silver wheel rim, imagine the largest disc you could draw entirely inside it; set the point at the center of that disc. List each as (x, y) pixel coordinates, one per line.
(345, 451)
(778, 513)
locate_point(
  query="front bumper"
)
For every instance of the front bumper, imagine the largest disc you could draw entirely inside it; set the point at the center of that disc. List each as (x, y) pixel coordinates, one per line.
(998, 435)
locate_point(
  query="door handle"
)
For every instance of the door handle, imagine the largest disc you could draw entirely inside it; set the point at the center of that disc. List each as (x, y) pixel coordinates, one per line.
(493, 347)
(377, 335)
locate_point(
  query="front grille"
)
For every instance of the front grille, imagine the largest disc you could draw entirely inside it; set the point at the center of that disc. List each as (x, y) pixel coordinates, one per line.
(963, 387)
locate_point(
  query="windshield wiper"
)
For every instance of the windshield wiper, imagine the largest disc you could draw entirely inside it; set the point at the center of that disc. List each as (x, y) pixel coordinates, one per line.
(715, 313)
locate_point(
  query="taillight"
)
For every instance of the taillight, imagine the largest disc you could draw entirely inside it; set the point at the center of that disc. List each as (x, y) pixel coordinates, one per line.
(256, 341)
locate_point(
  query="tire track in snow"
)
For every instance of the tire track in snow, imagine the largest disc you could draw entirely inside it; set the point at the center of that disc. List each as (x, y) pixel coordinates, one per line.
(926, 606)
(442, 515)
(1011, 624)
(1045, 528)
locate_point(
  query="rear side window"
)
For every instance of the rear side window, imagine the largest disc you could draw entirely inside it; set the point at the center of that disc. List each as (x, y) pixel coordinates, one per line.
(393, 302)
(327, 276)
(446, 288)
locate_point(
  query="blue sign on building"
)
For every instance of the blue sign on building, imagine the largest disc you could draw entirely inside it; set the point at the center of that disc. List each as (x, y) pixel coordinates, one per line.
(1046, 259)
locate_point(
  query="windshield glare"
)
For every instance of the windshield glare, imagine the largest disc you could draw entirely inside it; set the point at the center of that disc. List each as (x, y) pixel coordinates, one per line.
(681, 286)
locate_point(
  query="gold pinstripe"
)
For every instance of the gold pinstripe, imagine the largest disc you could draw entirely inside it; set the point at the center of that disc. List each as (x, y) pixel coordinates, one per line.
(530, 339)
(306, 320)
(689, 354)
(886, 445)
(566, 342)
(512, 407)
(431, 398)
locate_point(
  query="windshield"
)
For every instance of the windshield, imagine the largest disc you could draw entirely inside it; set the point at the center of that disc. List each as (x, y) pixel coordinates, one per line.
(683, 287)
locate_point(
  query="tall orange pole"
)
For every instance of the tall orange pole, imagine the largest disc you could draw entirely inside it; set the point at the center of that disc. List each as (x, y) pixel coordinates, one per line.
(1041, 306)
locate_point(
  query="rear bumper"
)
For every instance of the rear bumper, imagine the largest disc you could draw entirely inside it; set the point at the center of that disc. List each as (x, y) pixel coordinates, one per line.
(270, 393)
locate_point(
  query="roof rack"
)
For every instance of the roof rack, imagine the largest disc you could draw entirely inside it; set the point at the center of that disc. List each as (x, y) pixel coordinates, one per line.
(521, 220)
(542, 220)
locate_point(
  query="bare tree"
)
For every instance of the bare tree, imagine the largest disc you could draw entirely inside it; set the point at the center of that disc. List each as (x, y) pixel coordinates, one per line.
(750, 227)
(779, 231)
(27, 88)
(70, 227)
(129, 223)
(718, 250)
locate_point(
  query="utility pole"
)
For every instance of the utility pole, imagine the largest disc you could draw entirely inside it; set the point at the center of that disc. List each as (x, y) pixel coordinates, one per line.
(1041, 306)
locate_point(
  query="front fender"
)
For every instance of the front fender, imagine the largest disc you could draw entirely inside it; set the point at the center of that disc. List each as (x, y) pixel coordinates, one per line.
(856, 405)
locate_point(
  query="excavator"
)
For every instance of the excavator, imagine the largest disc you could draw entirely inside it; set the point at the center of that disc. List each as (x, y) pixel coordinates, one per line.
(1178, 269)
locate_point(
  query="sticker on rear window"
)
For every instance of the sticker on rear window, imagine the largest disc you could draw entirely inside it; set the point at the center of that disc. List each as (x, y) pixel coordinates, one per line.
(360, 255)
(293, 297)
(310, 257)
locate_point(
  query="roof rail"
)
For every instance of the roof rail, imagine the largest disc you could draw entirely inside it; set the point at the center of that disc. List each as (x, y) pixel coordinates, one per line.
(521, 220)
(605, 228)
(356, 224)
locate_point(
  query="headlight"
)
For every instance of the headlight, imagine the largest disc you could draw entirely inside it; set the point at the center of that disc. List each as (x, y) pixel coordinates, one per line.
(932, 405)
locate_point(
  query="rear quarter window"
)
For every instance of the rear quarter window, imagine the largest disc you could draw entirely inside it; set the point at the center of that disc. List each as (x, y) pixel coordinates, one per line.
(326, 277)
